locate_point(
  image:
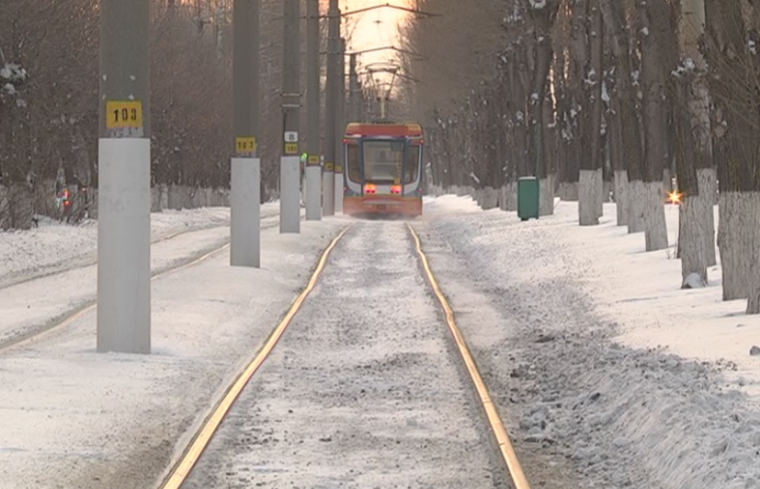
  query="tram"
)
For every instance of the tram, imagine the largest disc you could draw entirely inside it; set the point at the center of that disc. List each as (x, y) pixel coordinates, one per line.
(383, 169)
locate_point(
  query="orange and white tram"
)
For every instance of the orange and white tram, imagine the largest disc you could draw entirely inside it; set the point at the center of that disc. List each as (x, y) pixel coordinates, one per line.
(383, 169)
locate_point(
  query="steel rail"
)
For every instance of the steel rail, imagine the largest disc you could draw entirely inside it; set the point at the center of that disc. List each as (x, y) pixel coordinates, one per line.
(505, 446)
(203, 437)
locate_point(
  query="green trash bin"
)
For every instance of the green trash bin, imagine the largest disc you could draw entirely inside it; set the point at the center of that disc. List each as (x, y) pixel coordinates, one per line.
(527, 198)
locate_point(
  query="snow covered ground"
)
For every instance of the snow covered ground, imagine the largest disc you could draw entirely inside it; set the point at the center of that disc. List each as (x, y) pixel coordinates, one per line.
(607, 370)
(617, 376)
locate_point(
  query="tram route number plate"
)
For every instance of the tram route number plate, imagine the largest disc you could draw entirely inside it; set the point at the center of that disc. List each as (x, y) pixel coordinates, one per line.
(291, 136)
(124, 114)
(245, 144)
(291, 148)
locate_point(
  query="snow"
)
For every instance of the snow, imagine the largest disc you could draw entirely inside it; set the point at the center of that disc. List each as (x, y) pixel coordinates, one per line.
(678, 385)
(641, 383)
(75, 418)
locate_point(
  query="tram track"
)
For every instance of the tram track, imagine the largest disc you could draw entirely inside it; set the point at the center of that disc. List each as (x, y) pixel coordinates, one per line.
(195, 449)
(88, 261)
(73, 313)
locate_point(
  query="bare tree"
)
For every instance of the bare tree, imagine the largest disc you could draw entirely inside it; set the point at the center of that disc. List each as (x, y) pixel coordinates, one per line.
(731, 52)
(653, 31)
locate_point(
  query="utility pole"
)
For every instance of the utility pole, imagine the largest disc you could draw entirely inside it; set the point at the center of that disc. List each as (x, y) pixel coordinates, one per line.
(331, 108)
(353, 90)
(245, 168)
(313, 170)
(290, 162)
(123, 318)
(340, 128)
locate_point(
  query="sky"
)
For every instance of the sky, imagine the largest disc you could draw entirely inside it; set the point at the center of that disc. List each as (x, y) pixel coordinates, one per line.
(374, 29)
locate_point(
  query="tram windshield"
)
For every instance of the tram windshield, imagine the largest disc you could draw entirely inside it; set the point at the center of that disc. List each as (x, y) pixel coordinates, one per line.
(383, 161)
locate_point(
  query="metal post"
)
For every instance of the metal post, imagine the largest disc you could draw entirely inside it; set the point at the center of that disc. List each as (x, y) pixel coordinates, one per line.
(290, 163)
(245, 169)
(354, 91)
(313, 170)
(340, 128)
(331, 108)
(123, 317)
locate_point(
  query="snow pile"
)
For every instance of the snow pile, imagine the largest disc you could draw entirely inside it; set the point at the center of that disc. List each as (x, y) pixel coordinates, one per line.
(573, 306)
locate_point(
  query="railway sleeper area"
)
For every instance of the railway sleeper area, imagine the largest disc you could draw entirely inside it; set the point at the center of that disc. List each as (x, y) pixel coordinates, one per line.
(365, 388)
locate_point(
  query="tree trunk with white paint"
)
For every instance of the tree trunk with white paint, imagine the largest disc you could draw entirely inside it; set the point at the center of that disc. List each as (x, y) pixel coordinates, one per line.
(706, 203)
(653, 32)
(587, 198)
(630, 135)
(753, 282)
(599, 182)
(512, 197)
(735, 242)
(637, 197)
(621, 197)
(690, 233)
(655, 229)
(546, 196)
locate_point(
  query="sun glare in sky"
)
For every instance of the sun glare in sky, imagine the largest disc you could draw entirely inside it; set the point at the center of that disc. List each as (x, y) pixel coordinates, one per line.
(373, 29)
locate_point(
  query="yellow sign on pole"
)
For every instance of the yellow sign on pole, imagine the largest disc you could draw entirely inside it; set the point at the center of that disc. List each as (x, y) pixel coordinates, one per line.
(313, 160)
(124, 114)
(338, 169)
(291, 148)
(329, 167)
(245, 144)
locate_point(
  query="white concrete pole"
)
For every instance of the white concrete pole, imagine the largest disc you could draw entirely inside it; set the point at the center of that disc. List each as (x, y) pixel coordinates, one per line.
(123, 317)
(245, 212)
(290, 163)
(245, 169)
(313, 170)
(340, 128)
(290, 169)
(331, 107)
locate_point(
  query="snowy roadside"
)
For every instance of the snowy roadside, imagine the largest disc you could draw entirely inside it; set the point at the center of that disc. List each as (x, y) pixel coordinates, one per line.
(77, 419)
(563, 342)
(52, 247)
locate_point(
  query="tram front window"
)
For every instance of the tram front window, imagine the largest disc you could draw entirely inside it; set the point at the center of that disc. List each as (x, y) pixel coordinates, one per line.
(383, 161)
(352, 163)
(412, 164)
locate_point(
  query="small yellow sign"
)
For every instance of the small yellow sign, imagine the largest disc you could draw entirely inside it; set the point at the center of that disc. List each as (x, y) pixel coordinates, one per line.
(245, 144)
(121, 114)
(313, 160)
(329, 166)
(338, 169)
(291, 148)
